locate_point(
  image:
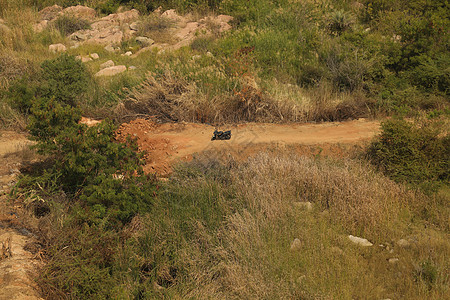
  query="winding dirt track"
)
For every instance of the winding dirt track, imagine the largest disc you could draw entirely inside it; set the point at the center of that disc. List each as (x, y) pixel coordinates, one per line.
(167, 143)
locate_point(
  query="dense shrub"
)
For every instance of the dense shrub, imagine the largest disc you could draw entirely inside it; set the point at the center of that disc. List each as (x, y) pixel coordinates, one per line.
(65, 78)
(415, 153)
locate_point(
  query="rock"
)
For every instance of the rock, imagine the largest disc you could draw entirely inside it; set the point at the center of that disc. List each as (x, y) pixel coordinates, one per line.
(128, 53)
(130, 68)
(360, 241)
(107, 64)
(85, 59)
(54, 48)
(111, 71)
(195, 57)
(337, 250)
(134, 26)
(171, 14)
(75, 46)
(4, 29)
(2, 21)
(49, 13)
(145, 41)
(94, 56)
(79, 36)
(403, 243)
(304, 205)
(109, 48)
(296, 245)
(80, 12)
(393, 260)
(209, 54)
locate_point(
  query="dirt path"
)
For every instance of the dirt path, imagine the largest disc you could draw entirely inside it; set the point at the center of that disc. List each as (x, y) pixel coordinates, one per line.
(16, 263)
(167, 143)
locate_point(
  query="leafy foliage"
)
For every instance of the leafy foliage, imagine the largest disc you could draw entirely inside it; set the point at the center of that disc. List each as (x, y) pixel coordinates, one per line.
(415, 153)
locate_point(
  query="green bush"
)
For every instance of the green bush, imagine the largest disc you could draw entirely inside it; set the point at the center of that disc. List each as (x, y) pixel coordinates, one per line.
(414, 153)
(68, 24)
(65, 78)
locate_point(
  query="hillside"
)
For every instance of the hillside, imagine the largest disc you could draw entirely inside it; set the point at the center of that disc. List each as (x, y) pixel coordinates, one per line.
(334, 184)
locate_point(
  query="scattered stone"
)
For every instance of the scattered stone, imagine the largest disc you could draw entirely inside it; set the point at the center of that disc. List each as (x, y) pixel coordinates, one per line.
(360, 241)
(54, 48)
(128, 53)
(304, 205)
(337, 250)
(85, 59)
(296, 245)
(80, 12)
(4, 29)
(209, 54)
(130, 68)
(393, 260)
(195, 57)
(403, 243)
(134, 26)
(107, 64)
(145, 41)
(79, 36)
(49, 13)
(111, 71)
(94, 56)
(109, 48)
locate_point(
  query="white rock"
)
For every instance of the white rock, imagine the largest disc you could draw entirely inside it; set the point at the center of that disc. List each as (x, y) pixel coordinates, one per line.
(296, 245)
(54, 48)
(209, 54)
(111, 71)
(86, 59)
(94, 56)
(145, 41)
(403, 243)
(109, 48)
(304, 205)
(128, 53)
(360, 241)
(134, 26)
(107, 64)
(393, 260)
(195, 57)
(132, 68)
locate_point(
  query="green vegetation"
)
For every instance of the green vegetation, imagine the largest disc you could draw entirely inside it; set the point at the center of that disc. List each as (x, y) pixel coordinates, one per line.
(415, 153)
(220, 228)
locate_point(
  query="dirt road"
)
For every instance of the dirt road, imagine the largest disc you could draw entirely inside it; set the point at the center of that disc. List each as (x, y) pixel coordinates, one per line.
(167, 143)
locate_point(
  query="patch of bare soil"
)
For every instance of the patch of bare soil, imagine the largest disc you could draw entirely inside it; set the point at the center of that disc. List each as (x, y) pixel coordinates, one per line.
(172, 142)
(16, 263)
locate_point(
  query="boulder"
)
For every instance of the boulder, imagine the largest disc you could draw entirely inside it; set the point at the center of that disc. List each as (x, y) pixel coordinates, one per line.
(4, 29)
(111, 71)
(171, 14)
(54, 48)
(109, 48)
(39, 27)
(107, 64)
(128, 53)
(145, 41)
(304, 205)
(49, 13)
(393, 260)
(85, 59)
(403, 243)
(134, 26)
(80, 12)
(94, 56)
(296, 245)
(130, 68)
(360, 241)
